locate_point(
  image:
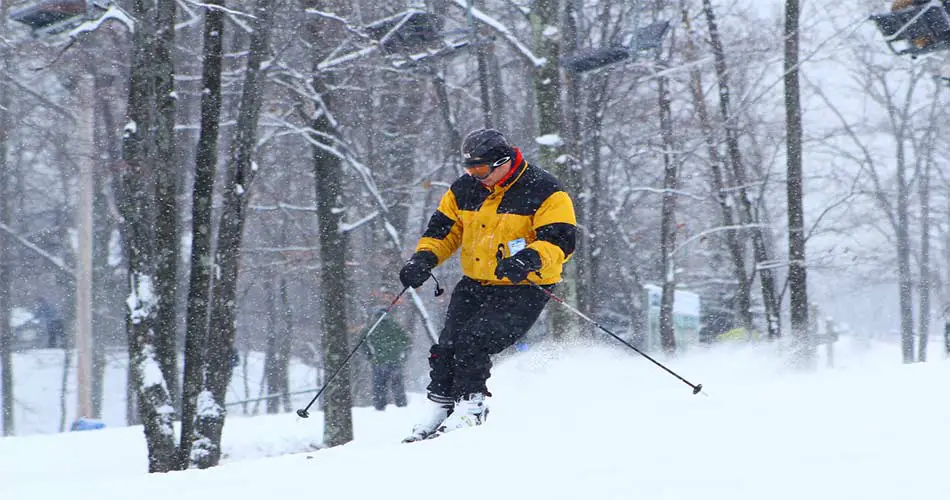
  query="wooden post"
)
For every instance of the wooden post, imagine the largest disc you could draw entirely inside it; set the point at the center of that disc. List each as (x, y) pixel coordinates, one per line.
(831, 336)
(86, 187)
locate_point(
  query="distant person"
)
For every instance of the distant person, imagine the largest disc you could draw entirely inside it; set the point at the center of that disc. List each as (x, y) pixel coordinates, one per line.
(387, 348)
(55, 329)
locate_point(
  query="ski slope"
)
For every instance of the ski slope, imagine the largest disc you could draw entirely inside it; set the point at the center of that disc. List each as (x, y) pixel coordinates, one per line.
(585, 422)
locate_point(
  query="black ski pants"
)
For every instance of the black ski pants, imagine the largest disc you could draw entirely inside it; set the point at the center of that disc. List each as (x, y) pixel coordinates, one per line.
(482, 320)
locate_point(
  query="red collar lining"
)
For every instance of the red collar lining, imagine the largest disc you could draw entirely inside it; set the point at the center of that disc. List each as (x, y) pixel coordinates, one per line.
(516, 167)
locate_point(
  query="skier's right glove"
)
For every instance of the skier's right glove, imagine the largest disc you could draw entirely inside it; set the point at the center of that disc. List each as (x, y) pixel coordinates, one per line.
(418, 269)
(517, 267)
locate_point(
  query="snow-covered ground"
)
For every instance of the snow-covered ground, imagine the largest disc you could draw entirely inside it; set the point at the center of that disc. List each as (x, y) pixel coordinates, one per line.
(574, 423)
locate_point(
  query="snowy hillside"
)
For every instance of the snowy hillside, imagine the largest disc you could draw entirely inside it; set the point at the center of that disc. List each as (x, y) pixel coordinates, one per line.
(585, 422)
(38, 379)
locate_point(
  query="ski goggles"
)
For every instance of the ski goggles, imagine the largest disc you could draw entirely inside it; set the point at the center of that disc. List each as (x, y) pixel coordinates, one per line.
(481, 171)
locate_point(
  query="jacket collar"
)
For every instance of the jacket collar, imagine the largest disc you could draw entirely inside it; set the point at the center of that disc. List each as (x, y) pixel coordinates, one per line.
(520, 165)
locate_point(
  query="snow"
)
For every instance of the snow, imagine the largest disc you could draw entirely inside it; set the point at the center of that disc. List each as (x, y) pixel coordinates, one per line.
(587, 421)
(142, 298)
(550, 140)
(20, 316)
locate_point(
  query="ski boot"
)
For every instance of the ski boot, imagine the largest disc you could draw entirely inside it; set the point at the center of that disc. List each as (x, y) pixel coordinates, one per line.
(437, 409)
(470, 411)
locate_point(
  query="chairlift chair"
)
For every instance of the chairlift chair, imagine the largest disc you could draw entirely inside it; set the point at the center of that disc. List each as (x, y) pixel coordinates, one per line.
(645, 39)
(50, 17)
(405, 32)
(920, 28)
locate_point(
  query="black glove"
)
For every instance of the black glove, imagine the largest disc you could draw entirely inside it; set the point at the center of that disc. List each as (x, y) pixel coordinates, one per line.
(418, 269)
(517, 267)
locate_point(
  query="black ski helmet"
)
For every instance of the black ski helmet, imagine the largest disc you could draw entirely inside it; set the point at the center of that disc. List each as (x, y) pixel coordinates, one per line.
(485, 145)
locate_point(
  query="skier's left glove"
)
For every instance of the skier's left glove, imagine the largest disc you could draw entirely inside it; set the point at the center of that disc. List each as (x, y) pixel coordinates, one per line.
(418, 269)
(517, 267)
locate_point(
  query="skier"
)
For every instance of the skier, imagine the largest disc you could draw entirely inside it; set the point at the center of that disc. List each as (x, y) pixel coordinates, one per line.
(513, 222)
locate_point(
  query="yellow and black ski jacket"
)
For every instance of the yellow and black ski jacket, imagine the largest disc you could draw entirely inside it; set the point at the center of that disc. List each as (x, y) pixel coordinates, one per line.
(528, 210)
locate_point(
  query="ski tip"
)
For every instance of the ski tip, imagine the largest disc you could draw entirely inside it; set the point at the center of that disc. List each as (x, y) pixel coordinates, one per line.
(414, 439)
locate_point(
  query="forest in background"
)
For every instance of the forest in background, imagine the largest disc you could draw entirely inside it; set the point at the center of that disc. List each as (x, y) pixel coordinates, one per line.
(255, 172)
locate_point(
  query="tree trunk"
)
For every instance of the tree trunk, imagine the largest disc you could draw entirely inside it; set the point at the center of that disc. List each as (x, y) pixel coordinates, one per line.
(270, 351)
(241, 170)
(6, 256)
(797, 275)
(924, 264)
(484, 79)
(166, 197)
(328, 169)
(747, 215)
(399, 104)
(926, 287)
(278, 346)
(135, 200)
(105, 296)
(545, 22)
(136, 206)
(64, 386)
(582, 262)
(284, 347)
(667, 219)
(902, 236)
(199, 282)
(743, 303)
(445, 109)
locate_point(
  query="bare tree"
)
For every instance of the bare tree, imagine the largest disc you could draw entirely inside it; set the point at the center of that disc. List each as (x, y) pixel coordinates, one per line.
(667, 217)
(166, 195)
(546, 25)
(925, 148)
(6, 334)
(743, 303)
(136, 204)
(242, 168)
(739, 176)
(797, 274)
(199, 285)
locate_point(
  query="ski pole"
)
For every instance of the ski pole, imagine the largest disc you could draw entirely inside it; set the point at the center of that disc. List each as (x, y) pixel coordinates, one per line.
(697, 388)
(303, 413)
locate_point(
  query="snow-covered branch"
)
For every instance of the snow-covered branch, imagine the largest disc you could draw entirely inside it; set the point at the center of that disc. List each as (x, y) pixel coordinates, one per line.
(221, 8)
(706, 232)
(113, 12)
(664, 191)
(56, 261)
(502, 30)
